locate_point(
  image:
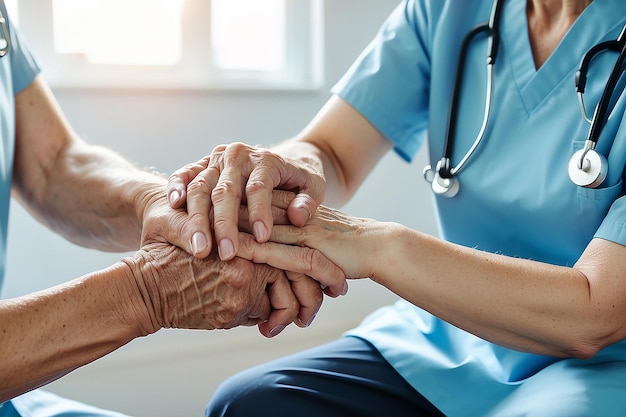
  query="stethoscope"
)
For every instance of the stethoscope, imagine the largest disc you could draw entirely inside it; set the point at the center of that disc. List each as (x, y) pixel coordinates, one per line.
(586, 168)
(5, 44)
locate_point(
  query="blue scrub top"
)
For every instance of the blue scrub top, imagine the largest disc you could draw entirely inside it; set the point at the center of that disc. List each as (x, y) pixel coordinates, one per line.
(17, 70)
(515, 195)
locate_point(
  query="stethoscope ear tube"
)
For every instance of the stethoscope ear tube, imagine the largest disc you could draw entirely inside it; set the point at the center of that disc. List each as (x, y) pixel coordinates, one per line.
(443, 179)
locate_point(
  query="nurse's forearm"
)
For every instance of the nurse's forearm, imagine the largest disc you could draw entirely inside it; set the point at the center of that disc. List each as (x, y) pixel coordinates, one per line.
(521, 304)
(341, 144)
(49, 333)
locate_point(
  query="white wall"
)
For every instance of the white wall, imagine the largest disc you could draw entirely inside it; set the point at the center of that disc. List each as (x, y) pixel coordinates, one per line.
(174, 372)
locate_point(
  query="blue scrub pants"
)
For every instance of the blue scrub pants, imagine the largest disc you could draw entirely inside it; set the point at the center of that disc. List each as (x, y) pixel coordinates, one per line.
(347, 377)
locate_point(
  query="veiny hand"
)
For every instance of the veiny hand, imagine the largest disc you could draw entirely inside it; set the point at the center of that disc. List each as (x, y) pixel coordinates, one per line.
(350, 243)
(178, 290)
(304, 263)
(235, 174)
(297, 299)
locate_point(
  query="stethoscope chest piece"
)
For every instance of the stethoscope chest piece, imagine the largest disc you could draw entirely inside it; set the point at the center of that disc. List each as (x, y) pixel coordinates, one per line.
(447, 187)
(587, 168)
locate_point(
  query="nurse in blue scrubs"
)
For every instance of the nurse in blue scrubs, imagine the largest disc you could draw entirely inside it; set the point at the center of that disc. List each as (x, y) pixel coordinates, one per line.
(519, 307)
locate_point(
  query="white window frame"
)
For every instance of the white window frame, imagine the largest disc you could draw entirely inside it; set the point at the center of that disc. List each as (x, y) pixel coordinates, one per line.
(303, 69)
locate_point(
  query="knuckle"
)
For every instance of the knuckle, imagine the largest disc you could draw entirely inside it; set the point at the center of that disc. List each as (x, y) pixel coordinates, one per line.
(235, 150)
(318, 263)
(233, 309)
(247, 247)
(317, 296)
(311, 258)
(236, 279)
(262, 154)
(294, 307)
(219, 149)
(223, 190)
(254, 186)
(199, 185)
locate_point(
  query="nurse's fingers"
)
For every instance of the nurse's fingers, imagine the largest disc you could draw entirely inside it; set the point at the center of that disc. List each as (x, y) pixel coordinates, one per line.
(303, 260)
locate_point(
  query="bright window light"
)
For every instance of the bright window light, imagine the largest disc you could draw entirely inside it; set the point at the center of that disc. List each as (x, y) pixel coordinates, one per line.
(197, 44)
(119, 32)
(12, 10)
(248, 35)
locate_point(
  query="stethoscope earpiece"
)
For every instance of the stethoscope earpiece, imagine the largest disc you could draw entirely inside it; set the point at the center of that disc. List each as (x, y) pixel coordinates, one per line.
(587, 168)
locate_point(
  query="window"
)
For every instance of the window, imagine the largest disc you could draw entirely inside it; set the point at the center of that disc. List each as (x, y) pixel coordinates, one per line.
(221, 44)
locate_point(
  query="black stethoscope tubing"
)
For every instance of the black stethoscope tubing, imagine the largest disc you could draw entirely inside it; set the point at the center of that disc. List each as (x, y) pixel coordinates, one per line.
(492, 27)
(442, 178)
(601, 113)
(587, 168)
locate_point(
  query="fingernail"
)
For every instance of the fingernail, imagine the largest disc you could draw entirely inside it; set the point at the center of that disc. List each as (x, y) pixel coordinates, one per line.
(227, 250)
(198, 243)
(259, 230)
(173, 197)
(345, 288)
(311, 320)
(276, 330)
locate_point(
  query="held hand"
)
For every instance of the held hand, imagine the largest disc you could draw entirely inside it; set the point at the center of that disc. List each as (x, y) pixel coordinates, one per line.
(350, 243)
(296, 302)
(304, 264)
(236, 174)
(177, 290)
(161, 223)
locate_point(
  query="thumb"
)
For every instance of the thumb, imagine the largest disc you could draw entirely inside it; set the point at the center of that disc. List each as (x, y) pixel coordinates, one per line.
(301, 209)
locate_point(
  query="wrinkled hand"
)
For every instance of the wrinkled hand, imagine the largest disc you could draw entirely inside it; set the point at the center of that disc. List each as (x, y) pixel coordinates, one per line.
(162, 224)
(235, 174)
(282, 300)
(178, 290)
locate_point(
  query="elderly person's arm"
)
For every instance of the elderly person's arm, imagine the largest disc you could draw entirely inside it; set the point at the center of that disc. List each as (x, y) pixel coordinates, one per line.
(47, 334)
(95, 198)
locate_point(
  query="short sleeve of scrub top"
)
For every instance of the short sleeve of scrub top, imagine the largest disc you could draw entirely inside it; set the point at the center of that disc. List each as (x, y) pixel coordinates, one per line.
(515, 195)
(17, 71)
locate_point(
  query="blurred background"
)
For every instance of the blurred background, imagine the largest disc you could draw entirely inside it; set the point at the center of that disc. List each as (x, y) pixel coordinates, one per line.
(166, 95)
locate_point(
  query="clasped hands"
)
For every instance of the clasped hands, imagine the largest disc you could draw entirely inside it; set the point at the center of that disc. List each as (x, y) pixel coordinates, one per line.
(228, 201)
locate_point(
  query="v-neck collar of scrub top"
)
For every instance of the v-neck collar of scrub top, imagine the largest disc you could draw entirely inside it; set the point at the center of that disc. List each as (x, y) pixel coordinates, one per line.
(533, 84)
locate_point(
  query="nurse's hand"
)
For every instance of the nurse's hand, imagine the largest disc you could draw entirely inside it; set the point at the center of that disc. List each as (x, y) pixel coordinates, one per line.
(235, 174)
(348, 242)
(302, 264)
